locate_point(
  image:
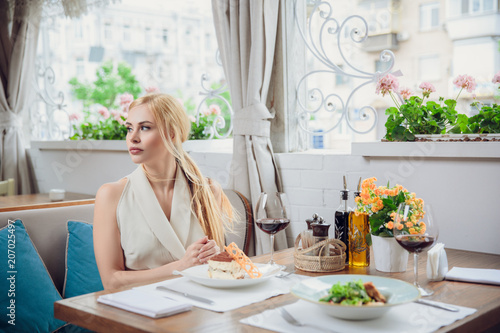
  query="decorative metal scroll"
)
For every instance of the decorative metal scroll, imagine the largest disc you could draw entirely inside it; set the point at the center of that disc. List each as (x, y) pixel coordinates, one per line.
(54, 123)
(219, 122)
(331, 27)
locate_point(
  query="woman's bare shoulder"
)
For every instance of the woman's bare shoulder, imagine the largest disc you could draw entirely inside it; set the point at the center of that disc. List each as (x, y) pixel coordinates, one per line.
(111, 192)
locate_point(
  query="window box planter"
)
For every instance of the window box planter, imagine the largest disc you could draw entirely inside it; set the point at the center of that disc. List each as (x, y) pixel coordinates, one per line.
(458, 137)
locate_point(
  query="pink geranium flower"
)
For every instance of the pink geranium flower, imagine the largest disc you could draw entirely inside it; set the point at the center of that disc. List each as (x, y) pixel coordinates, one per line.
(192, 119)
(104, 112)
(496, 78)
(387, 84)
(118, 116)
(465, 82)
(427, 88)
(152, 89)
(406, 93)
(74, 117)
(214, 109)
(126, 99)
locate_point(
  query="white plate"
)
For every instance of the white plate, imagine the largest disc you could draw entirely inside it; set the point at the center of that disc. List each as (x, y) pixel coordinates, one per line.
(199, 274)
(396, 292)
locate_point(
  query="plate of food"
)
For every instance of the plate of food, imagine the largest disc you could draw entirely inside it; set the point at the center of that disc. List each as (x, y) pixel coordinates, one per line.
(230, 269)
(355, 297)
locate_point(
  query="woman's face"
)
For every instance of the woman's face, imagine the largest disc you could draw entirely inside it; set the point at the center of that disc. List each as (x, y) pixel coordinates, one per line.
(143, 138)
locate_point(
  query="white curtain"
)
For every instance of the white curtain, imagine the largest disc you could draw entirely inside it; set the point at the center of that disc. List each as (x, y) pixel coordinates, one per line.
(18, 42)
(246, 34)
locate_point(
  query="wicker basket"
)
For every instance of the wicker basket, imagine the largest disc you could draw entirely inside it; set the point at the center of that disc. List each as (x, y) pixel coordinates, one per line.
(304, 260)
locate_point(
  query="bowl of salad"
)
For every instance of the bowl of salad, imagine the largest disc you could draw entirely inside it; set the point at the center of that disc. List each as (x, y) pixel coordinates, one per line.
(355, 297)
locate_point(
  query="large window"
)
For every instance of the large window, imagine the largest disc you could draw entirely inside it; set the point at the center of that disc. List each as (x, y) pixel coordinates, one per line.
(429, 16)
(159, 39)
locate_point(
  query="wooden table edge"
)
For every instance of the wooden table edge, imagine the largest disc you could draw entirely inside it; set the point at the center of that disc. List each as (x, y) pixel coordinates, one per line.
(476, 322)
(54, 204)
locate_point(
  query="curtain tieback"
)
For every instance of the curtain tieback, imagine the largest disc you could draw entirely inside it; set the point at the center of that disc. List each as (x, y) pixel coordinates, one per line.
(253, 120)
(9, 120)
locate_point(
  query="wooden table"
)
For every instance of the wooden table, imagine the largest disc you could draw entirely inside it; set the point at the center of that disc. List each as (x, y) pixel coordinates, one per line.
(86, 312)
(42, 200)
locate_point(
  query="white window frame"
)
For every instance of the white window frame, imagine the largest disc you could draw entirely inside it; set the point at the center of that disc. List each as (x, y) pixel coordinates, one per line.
(426, 16)
(456, 9)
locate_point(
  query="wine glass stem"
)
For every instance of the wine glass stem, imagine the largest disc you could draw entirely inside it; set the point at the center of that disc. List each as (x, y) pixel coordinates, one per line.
(415, 268)
(272, 250)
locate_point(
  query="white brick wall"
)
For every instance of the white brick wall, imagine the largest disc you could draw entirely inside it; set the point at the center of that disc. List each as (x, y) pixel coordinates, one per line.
(463, 190)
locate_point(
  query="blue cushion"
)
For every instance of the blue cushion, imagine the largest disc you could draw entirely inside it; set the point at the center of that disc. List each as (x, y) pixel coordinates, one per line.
(82, 275)
(26, 286)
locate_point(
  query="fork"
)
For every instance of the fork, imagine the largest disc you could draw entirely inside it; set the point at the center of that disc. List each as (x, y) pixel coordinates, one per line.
(291, 320)
(284, 274)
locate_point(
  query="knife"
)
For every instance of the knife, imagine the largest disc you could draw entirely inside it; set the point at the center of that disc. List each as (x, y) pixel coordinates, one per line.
(438, 305)
(193, 297)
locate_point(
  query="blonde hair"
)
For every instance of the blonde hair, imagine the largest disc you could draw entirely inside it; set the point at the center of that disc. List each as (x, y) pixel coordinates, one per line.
(174, 127)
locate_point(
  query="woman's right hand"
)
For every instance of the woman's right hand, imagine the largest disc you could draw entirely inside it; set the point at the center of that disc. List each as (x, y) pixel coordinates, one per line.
(192, 252)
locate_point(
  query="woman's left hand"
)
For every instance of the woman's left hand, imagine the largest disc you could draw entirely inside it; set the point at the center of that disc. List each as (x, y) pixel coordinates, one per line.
(208, 250)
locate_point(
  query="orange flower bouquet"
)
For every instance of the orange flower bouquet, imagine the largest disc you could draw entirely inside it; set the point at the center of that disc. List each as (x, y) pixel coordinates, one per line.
(381, 204)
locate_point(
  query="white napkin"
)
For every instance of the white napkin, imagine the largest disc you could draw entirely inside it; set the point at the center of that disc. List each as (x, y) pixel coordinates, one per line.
(225, 299)
(408, 318)
(478, 275)
(146, 304)
(437, 263)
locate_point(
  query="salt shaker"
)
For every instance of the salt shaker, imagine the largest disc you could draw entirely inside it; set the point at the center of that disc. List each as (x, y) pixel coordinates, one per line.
(320, 233)
(307, 235)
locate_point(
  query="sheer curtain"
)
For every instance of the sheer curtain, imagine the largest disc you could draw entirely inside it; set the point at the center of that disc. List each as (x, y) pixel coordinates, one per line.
(19, 27)
(246, 34)
(18, 42)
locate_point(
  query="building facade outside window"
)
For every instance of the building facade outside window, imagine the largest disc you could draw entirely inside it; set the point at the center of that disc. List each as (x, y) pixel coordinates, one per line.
(429, 16)
(458, 8)
(429, 67)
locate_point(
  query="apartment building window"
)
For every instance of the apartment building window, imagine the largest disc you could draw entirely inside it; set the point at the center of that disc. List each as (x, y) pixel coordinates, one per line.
(126, 33)
(429, 16)
(165, 36)
(80, 67)
(341, 79)
(429, 68)
(470, 7)
(78, 29)
(108, 33)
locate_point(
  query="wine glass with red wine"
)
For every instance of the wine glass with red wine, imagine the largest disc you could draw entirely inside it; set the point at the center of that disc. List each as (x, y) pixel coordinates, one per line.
(272, 216)
(416, 231)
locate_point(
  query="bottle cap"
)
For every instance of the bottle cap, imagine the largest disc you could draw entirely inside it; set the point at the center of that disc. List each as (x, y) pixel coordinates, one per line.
(345, 192)
(311, 220)
(358, 190)
(320, 228)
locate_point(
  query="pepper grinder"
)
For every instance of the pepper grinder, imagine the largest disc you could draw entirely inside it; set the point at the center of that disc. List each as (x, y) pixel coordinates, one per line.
(320, 233)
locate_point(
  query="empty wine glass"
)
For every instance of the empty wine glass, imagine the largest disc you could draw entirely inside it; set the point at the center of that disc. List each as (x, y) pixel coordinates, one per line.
(415, 230)
(272, 216)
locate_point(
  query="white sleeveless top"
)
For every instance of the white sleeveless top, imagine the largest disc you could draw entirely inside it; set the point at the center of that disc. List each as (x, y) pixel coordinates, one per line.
(147, 237)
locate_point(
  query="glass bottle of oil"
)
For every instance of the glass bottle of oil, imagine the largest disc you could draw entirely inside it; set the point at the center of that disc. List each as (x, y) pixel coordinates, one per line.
(359, 230)
(342, 219)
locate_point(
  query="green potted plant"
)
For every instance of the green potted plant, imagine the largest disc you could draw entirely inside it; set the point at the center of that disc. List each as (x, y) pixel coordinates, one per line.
(105, 102)
(412, 116)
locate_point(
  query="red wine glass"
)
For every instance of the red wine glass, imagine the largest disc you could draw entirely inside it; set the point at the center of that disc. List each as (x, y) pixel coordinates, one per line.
(416, 231)
(272, 216)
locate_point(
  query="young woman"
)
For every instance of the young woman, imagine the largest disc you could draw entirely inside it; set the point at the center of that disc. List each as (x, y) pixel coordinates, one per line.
(164, 216)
